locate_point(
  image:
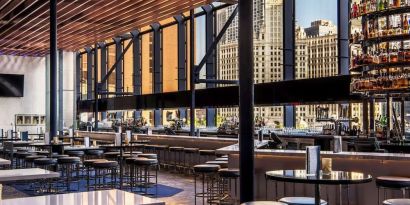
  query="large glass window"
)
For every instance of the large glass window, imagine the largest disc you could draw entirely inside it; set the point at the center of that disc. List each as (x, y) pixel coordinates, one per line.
(147, 63)
(170, 58)
(83, 76)
(110, 62)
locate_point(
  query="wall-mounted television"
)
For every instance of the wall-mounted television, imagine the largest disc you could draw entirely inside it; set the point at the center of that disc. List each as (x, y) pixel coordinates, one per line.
(11, 85)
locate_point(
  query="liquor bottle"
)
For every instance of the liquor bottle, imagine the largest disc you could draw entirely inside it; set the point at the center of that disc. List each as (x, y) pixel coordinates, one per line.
(380, 6)
(405, 24)
(386, 4)
(396, 3)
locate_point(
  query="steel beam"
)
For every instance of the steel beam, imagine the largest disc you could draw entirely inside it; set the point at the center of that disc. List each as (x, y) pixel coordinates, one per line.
(193, 71)
(246, 102)
(137, 73)
(60, 90)
(343, 36)
(212, 47)
(210, 63)
(289, 56)
(157, 73)
(53, 68)
(96, 88)
(182, 74)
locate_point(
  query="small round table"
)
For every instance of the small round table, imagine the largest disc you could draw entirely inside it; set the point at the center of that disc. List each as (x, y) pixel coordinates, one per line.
(333, 178)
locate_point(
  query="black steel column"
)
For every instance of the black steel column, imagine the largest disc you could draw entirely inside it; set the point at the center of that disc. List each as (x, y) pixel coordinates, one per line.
(137, 77)
(103, 72)
(60, 90)
(182, 71)
(53, 68)
(343, 36)
(157, 72)
(402, 116)
(210, 62)
(365, 115)
(289, 56)
(89, 73)
(182, 74)
(246, 101)
(371, 118)
(96, 89)
(118, 68)
(192, 70)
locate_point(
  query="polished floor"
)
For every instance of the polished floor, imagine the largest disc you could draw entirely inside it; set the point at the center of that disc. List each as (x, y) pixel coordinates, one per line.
(165, 178)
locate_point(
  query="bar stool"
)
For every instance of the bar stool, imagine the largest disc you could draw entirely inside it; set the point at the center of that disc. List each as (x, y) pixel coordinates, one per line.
(57, 156)
(208, 173)
(148, 156)
(176, 156)
(301, 201)
(161, 151)
(45, 185)
(111, 155)
(68, 166)
(396, 202)
(20, 157)
(79, 154)
(88, 164)
(190, 158)
(93, 154)
(206, 155)
(226, 178)
(142, 174)
(43, 153)
(222, 164)
(263, 203)
(29, 161)
(221, 159)
(392, 182)
(102, 170)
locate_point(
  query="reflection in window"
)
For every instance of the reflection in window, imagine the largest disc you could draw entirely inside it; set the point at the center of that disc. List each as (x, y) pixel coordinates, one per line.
(84, 76)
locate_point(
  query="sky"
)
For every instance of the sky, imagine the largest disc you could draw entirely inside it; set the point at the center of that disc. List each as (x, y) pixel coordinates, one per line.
(311, 10)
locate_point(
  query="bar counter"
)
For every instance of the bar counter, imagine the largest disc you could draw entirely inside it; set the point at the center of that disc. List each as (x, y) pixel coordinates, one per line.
(375, 164)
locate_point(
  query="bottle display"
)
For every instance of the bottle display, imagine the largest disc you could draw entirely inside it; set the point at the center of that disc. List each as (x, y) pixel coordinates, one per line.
(380, 46)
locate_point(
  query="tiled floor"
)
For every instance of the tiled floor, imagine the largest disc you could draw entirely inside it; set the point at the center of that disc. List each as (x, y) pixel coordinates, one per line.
(180, 181)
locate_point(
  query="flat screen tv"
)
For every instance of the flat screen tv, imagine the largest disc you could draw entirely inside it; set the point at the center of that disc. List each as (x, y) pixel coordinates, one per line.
(11, 85)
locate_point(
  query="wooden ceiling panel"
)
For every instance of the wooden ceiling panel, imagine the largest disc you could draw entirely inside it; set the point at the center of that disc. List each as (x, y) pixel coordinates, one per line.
(24, 24)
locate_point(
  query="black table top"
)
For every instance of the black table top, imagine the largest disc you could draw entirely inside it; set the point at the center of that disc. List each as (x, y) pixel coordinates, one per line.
(333, 178)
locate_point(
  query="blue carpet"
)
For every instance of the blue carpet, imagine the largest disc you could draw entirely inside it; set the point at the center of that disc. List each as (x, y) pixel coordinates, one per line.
(158, 191)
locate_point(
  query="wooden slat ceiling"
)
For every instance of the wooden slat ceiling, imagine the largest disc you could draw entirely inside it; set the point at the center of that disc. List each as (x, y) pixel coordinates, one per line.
(24, 24)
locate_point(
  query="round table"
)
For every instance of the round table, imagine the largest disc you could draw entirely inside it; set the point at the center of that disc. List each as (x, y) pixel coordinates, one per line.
(333, 178)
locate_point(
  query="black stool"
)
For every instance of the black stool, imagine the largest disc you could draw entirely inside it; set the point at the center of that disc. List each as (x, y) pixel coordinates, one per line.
(190, 158)
(208, 173)
(222, 164)
(396, 202)
(148, 156)
(29, 161)
(48, 164)
(111, 155)
(79, 154)
(93, 154)
(20, 157)
(142, 174)
(301, 201)
(263, 203)
(68, 167)
(176, 156)
(88, 164)
(102, 170)
(392, 182)
(226, 178)
(206, 155)
(57, 156)
(161, 150)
